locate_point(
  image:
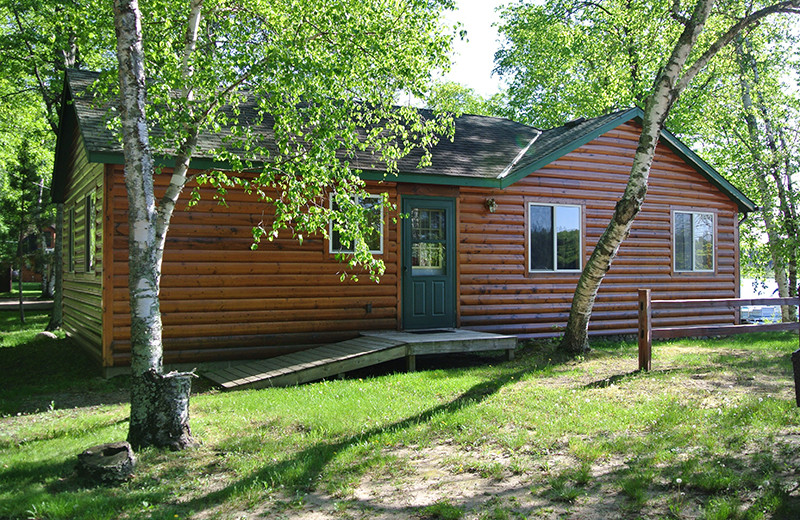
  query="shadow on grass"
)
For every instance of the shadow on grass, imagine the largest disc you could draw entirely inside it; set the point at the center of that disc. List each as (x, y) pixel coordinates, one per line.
(613, 380)
(307, 465)
(705, 477)
(48, 373)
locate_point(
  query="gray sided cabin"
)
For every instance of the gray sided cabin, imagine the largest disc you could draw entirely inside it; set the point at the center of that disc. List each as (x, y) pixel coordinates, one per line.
(503, 220)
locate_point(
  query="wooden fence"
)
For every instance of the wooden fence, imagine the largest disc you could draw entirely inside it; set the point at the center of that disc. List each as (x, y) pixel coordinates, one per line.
(647, 333)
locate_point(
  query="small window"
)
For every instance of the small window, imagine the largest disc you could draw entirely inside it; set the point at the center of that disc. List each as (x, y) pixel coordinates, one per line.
(90, 227)
(71, 240)
(554, 238)
(694, 241)
(374, 237)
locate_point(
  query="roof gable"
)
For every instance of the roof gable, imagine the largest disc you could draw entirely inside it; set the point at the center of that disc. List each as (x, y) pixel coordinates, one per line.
(558, 142)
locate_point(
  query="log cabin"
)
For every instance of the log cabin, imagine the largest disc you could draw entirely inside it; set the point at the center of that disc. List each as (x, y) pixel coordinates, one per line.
(502, 222)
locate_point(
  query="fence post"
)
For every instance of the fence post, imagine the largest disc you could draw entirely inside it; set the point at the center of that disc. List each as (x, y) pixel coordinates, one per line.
(645, 336)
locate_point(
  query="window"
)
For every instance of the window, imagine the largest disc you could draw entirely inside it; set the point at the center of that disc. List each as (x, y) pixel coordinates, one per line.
(71, 241)
(554, 237)
(694, 241)
(373, 237)
(90, 227)
(428, 241)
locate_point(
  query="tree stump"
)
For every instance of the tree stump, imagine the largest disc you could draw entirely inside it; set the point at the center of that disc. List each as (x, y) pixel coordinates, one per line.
(160, 410)
(110, 463)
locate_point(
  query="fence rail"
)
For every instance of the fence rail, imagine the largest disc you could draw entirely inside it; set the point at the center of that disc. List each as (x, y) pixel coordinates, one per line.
(647, 333)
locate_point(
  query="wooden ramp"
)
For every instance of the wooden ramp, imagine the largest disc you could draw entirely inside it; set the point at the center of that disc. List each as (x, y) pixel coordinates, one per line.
(371, 348)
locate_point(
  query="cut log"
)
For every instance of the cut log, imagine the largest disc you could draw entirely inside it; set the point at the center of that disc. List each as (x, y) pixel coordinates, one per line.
(107, 463)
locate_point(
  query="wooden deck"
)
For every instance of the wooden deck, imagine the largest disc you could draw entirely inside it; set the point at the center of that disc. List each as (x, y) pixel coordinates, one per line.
(368, 349)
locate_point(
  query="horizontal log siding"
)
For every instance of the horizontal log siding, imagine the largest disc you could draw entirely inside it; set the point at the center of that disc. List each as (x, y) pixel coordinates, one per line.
(82, 301)
(220, 300)
(497, 293)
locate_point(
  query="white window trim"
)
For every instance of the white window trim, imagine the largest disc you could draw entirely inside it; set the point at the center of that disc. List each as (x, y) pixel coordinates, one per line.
(333, 251)
(555, 268)
(694, 251)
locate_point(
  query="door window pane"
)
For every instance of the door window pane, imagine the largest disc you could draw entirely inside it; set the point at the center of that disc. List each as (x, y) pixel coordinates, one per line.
(428, 241)
(427, 224)
(427, 258)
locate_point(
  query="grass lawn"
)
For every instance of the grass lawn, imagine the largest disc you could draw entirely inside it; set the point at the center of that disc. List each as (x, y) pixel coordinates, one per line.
(712, 432)
(30, 290)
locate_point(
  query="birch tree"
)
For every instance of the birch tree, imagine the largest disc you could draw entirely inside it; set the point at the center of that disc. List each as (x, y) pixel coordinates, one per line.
(773, 168)
(607, 57)
(321, 76)
(685, 61)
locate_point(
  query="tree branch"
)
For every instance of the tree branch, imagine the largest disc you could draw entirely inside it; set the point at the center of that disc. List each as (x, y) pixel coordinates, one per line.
(675, 12)
(787, 6)
(191, 127)
(12, 94)
(49, 104)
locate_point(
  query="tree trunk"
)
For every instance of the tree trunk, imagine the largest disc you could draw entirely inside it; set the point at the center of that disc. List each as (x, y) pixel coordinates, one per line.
(20, 268)
(58, 271)
(159, 403)
(667, 88)
(766, 202)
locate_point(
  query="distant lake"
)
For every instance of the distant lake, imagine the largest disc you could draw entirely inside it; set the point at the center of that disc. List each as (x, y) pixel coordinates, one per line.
(751, 288)
(761, 289)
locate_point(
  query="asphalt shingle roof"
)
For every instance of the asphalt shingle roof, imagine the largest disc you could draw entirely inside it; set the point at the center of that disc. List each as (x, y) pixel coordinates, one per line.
(483, 146)
(485, 151)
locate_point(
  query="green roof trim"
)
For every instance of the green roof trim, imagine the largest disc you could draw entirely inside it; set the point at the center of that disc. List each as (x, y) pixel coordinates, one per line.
(684, 152)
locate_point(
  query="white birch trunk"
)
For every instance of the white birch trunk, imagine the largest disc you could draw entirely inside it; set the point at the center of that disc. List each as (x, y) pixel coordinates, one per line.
(766, 202)
(657, 108)
(159, 403)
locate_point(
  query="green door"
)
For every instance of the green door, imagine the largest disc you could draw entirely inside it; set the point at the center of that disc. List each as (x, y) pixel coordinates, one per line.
(429, 261)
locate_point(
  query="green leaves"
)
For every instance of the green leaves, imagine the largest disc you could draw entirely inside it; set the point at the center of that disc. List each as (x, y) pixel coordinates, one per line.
(567, 58)
(298, 96)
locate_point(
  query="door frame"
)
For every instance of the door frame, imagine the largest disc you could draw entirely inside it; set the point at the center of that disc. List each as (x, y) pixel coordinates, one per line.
(449, 204)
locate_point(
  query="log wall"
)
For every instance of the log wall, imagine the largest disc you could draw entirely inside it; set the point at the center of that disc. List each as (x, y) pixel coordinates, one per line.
(222, 300)
(82, 288)
(499, 295)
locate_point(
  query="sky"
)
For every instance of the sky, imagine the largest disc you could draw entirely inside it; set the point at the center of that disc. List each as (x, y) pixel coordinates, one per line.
(473, 60)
